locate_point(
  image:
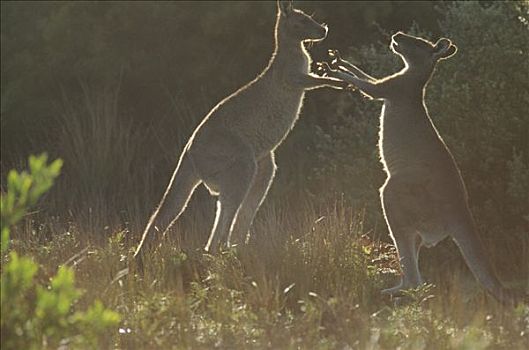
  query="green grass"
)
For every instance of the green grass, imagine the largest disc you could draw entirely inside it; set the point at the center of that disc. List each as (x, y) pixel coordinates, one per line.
(308, 279)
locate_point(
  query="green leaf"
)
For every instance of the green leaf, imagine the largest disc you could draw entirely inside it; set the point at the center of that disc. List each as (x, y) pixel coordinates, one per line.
(98, 317)
(24, 190)
(12, 180)
(17, 276)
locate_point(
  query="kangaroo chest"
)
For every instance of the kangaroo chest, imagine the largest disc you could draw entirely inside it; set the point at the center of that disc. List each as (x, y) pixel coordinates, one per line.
(407, 139)
(279, 104)
(280, 118)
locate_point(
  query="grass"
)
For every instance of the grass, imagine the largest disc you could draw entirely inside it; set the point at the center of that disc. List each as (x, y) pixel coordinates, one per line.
(310, 277)
(307, 280)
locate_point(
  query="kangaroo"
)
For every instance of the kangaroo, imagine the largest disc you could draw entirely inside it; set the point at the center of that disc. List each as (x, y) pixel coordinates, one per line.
(232, 150)
(424, 199)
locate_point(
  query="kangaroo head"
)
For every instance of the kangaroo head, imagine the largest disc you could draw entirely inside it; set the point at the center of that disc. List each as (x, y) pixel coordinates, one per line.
(297, 25)
(419, 53)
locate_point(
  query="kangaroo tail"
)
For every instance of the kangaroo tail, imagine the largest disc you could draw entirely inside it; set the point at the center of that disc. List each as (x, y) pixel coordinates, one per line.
(174, 201)
(473, 250)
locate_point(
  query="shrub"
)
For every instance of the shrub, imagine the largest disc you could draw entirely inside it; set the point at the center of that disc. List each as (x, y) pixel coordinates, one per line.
(24, 190)
(34, 315)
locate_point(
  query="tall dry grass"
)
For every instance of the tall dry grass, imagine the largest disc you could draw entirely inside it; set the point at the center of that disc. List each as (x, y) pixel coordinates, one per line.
(309, 278)
(114, 169)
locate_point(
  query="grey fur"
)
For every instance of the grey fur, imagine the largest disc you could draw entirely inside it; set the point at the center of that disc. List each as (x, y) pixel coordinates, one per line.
(424, 198)
(232, 150)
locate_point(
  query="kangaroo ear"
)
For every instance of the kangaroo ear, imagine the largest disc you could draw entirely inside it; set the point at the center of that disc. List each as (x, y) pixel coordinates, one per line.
(285, 7)
(444, 49)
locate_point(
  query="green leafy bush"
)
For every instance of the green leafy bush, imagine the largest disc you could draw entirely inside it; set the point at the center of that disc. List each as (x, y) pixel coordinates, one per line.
(24, 190)
(34, 315)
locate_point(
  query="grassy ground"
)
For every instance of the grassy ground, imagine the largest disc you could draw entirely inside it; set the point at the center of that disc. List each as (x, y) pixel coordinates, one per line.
(305, 281)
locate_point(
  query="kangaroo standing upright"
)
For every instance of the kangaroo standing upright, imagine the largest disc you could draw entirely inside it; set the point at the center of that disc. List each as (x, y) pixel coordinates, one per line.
(232, 150)
(424, 198)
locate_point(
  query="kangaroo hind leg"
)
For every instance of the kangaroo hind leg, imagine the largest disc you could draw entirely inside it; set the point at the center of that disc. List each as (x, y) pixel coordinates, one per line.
(264, 176)
(408, 245)
(233, 184)
(397, 207)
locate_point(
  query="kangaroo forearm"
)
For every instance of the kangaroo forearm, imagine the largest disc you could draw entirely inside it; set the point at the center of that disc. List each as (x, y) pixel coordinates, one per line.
(310, 82)
(373, 89)
(351, 68)
(348, 67)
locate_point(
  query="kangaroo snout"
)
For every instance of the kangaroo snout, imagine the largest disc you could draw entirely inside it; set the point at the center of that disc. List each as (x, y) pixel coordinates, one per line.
(325, 30)
(395, 40)
(320, 34)
(397, 36)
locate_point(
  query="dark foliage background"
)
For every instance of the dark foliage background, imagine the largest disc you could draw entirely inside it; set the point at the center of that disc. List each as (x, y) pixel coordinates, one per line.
(115, 89)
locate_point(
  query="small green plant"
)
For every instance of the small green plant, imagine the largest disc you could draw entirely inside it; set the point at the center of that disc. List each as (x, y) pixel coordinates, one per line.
(24, 190)
(36, 316)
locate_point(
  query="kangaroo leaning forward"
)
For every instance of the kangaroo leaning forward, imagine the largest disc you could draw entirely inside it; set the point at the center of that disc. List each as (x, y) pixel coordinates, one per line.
(232, 150)
(424, 198)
